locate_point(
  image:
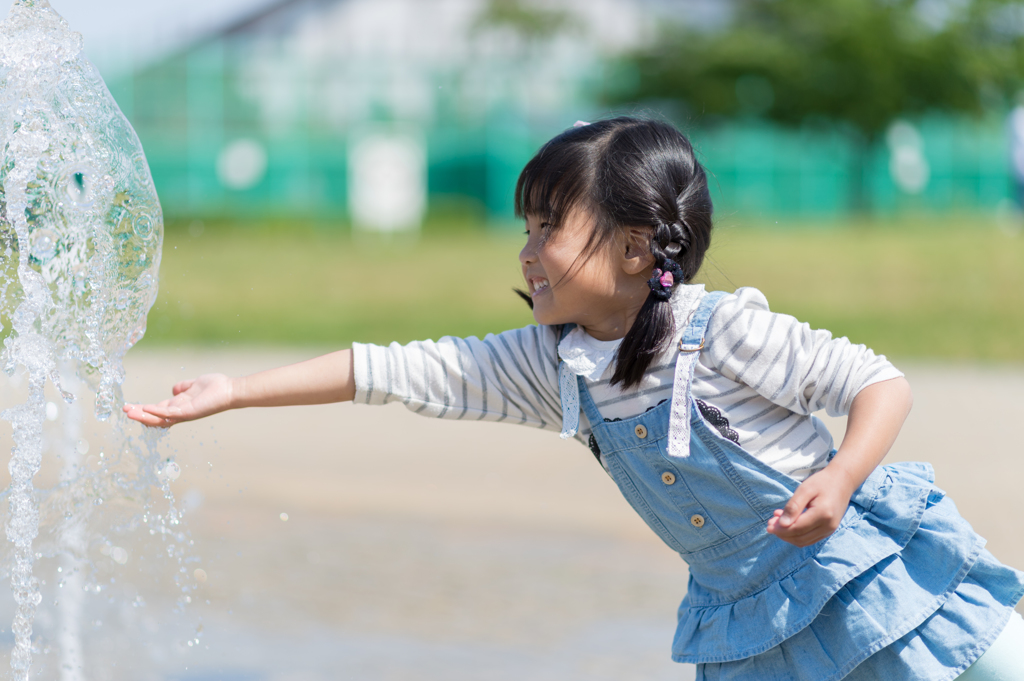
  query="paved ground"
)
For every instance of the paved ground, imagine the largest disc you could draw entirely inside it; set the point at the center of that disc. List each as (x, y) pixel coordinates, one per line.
(491, 546)
(422, 549)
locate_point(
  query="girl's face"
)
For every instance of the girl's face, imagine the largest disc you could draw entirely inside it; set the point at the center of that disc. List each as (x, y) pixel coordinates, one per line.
(602, 292)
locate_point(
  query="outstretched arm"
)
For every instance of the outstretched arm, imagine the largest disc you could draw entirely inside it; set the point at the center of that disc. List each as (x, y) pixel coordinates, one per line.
(819, 503)
(324, 379)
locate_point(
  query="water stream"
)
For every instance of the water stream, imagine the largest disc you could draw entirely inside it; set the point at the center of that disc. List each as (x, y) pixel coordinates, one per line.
(80, 236)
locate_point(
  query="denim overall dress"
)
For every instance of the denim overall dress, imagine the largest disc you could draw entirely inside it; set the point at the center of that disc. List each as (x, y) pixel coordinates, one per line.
(903, 589)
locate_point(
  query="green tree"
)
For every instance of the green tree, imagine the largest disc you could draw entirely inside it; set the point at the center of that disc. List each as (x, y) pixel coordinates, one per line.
(530, 20)
(858, 63)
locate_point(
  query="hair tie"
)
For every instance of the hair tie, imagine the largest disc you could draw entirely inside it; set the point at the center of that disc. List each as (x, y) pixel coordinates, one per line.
(664, 279)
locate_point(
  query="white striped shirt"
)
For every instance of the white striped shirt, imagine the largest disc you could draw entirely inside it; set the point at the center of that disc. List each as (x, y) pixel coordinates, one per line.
(765, 372)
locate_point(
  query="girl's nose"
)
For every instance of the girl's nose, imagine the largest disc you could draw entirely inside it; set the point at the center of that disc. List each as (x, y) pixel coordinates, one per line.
(529, 253)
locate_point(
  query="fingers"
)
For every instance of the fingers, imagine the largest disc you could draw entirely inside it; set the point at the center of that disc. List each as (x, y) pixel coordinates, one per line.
(811, 514)
(814, 525)
(795, 507)
(138, 412)
(818, 518)
(163, 414)
(182, 386)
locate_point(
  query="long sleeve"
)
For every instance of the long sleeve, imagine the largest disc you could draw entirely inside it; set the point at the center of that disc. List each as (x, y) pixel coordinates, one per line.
(787, 362)
(512, 377)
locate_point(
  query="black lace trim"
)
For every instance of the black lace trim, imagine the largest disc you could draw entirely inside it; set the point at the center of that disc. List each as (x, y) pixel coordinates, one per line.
(715, 417)
(592, 442)
(711, 414)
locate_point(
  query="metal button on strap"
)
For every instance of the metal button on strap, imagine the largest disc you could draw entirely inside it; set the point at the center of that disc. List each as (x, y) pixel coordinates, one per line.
(641, 431)
(697, 520)
(668, 478)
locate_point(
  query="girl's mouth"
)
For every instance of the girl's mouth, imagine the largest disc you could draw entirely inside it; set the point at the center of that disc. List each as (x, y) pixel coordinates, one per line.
(538, 285)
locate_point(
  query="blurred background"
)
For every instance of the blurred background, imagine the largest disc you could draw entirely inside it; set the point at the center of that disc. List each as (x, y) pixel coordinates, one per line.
(889, 133)
(343, 170)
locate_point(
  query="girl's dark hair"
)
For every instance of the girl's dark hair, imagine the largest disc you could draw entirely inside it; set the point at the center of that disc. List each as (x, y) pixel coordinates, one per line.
(626, 172)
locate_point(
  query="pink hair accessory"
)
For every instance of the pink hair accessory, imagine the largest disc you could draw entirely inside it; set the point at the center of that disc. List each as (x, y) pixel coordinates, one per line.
(579, 124)
(667, 280)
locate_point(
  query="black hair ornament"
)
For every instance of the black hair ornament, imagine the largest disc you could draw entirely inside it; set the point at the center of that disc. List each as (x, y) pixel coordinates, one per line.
(663, 279)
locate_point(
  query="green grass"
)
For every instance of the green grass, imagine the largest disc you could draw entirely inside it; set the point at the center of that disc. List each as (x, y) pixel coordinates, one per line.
(949, 288)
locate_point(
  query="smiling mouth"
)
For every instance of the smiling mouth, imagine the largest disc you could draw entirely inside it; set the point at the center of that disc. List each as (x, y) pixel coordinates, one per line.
(538, 286)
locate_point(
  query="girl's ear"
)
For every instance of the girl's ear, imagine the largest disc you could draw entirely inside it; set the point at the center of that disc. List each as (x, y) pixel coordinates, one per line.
(637, 256)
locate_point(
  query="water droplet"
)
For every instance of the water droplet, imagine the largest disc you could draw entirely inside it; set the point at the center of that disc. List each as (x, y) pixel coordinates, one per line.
(119, 555)
(284, 517)
(82, 447)
(171, 471)
(44, 245)
(80, 278)
(79, 185)
(200, 575)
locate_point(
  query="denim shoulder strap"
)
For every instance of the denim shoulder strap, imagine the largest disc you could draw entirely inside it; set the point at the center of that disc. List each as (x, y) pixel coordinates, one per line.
(690, 345)
(697, 324)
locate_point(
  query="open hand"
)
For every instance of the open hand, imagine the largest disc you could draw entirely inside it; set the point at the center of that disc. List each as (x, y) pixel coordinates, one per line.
(815, 509)
(193, 399)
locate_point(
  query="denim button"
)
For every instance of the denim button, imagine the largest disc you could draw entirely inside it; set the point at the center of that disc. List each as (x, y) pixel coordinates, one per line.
(641, 431)
(668, 478)
(697, 520)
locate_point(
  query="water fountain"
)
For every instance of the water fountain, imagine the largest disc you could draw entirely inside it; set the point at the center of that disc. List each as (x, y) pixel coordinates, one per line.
(80, 236)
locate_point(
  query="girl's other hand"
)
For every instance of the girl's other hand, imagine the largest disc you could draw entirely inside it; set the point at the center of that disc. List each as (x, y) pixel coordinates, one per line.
(815, 509)
(193, 399)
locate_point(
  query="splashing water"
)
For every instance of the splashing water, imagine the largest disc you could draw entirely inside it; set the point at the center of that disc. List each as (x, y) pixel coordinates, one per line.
(80, 236)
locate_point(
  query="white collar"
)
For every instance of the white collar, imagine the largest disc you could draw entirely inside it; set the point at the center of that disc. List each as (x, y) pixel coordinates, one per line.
(586, 356)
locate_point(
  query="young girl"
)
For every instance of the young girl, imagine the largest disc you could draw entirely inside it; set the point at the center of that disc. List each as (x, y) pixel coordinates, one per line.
(806, 563)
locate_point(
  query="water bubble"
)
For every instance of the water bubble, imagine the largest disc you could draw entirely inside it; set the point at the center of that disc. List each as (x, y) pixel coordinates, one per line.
(122, 299)
(284, 517)
(82, 447)
(119, 555)
(51, 411)
(171, 471)
(200, 575)
(117, 214)
(44, 245)
(79, 185)
(80, 278)
(144, 225)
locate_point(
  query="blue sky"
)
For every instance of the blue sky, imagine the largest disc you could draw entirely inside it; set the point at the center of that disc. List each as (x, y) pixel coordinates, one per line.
(117, 32)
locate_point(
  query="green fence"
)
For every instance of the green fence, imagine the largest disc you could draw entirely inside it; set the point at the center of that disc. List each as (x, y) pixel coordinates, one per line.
(187, 108)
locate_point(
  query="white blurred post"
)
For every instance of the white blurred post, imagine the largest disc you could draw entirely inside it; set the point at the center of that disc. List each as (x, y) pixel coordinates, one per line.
(387, 183)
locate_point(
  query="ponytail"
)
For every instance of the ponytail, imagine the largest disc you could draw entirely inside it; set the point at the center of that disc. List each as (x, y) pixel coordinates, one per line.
(629, 172)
